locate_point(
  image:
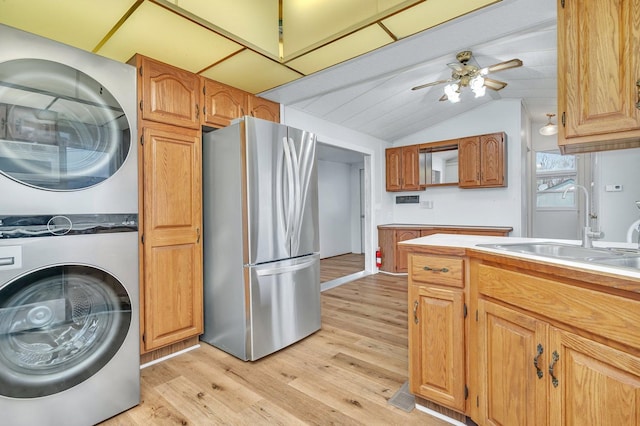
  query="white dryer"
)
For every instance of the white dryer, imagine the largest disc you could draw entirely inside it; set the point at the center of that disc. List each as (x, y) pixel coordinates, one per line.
(67, 129)
(69, 318)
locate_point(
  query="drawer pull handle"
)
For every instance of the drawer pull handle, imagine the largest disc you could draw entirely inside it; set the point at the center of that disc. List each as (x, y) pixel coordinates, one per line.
(428, 268)
(555, 357)
(415, 311)
(535, 360)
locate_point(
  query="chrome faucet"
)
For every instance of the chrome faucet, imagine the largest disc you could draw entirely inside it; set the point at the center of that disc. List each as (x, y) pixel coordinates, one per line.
(587, 234)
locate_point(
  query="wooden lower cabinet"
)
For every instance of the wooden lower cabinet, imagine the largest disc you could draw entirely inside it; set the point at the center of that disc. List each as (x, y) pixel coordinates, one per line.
(551, 352)
(394, 256)
(511, 392)
(437, 330)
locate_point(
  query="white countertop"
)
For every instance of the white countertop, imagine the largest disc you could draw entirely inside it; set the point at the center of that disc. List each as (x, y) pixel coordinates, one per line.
(471, 241)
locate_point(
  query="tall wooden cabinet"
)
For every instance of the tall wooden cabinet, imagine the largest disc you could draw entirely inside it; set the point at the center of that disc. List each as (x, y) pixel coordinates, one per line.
(598, 75)
(170, 205)
(482, 161)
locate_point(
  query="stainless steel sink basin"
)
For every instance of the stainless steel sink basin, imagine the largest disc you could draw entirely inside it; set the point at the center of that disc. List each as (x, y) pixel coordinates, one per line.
(616, 257)
(622, 261)
(565, 251)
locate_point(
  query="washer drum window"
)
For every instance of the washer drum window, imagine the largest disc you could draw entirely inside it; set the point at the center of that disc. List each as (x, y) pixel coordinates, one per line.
(60, 129)
(58, 327)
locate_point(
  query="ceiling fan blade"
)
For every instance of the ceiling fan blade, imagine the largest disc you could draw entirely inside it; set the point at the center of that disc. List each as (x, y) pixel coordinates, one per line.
(433, 83)
(494, 84)
(456, 66)
(513, 63)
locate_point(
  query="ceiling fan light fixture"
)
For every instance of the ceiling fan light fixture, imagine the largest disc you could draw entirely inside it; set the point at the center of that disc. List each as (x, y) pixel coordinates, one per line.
(477, 86)
(549, 129)
(452, 92)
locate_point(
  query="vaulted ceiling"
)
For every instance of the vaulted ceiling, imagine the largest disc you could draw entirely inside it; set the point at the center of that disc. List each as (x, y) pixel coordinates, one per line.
(349, 62)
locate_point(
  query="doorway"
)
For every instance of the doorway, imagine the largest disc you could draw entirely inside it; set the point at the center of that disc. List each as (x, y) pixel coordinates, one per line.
(342, 200)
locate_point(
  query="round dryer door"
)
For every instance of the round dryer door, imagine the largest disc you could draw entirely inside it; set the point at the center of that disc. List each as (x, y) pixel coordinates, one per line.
(61, 129)
(58, 327)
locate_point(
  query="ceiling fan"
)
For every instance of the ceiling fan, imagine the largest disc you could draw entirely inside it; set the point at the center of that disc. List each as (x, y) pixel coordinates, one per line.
(465, 74)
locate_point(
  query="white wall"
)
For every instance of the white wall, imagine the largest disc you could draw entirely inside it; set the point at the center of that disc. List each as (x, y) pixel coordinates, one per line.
(617, 210)
(490, 206)
(334, 201)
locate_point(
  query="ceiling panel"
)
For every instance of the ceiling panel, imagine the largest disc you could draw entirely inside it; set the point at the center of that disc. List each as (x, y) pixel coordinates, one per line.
(249, 21)
(309, 24)
(363, 41)
(250, 72)
(163, 35)
(431, 13)
(77, 23)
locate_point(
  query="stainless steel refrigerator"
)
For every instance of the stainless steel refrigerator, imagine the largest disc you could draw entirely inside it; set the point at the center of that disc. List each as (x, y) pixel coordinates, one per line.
(261, 242)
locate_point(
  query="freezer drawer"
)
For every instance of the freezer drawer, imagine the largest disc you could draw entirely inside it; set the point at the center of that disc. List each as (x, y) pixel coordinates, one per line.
(284, 303)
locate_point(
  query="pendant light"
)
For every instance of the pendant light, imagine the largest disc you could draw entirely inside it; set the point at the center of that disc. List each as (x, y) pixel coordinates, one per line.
(549, 129)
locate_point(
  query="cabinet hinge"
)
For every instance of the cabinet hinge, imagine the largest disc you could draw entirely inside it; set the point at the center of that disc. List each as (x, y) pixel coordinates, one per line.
(140, 71)
(466, 392)
(476, 315)
(464, 310)
(144, 337)
(204, 90)
(562, 3)
(477, 401)
(141, 139)
(564, 119)
(140, 105)
(142, 238)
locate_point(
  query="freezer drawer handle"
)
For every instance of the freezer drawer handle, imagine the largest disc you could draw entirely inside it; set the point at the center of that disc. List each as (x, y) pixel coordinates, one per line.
(285, 269)
(7, 261)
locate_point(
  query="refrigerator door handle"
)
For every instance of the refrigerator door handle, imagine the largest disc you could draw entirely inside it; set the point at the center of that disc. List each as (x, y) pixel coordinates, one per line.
(285, 269)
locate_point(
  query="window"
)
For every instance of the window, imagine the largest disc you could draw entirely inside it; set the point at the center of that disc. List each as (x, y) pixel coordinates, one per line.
(554, 174)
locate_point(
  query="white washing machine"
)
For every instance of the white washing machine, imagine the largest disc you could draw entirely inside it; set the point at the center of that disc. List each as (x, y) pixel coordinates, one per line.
(67, 129)
(69, 306)
(69, 319)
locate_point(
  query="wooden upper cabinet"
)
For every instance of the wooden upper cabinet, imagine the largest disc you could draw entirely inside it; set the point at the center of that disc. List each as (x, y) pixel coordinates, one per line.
(403, 168)
(167, 94)
(221, 103)
(482, 161)
(263, 108)
(598, 75)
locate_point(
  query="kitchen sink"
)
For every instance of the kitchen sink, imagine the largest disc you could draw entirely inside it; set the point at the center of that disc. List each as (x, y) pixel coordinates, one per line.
(624, 261)
(565, 251)
(608, 256)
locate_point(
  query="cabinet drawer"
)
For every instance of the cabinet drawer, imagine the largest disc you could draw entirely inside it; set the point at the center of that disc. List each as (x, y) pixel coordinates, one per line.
(437, 270)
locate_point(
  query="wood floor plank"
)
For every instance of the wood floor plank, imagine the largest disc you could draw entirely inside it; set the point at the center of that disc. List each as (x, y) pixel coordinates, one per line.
(344, 374)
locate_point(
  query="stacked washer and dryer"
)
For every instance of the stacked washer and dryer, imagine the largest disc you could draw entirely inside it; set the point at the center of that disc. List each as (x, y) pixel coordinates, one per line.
(69, 314)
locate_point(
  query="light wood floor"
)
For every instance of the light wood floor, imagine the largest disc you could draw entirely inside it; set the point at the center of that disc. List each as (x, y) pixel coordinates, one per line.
(339, 266)
(343, 374)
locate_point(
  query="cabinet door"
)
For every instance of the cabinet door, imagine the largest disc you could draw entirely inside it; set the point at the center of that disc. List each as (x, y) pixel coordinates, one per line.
(598, 72)
(263, 108)
(512, 392)
(436, 345)
(402, 253)
(169, 95)
(492, 160)
(410, 168)
(596, 384)
(221, 103)
(393, 160)
(469, 162)
(172, 253)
